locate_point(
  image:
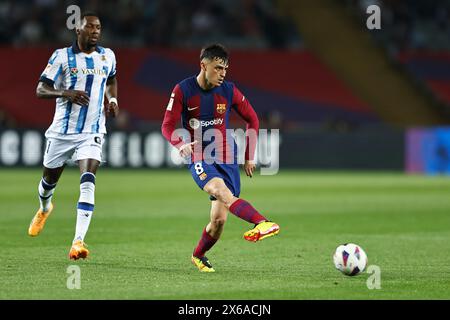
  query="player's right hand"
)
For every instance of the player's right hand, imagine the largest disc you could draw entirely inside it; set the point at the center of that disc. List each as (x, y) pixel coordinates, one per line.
(186, 149)
(249, 168)
(77, 96)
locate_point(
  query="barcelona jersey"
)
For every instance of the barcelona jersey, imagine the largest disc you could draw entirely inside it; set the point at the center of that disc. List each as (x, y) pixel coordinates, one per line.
(201, 110)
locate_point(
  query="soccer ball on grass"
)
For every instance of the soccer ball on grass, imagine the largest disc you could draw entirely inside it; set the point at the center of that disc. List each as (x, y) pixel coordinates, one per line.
(350, 259)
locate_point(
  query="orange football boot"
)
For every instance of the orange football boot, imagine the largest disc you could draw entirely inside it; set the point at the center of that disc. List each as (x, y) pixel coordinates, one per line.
(78, 250)
(38, 222)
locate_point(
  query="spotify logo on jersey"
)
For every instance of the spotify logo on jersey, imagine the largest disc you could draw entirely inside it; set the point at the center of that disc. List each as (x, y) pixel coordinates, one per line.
(194, 123)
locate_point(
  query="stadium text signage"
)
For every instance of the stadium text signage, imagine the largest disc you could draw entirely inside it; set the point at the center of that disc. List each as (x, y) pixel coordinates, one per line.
(136, 150)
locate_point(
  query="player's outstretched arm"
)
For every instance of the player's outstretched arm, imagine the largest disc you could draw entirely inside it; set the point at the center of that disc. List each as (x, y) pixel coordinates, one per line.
(44, 91)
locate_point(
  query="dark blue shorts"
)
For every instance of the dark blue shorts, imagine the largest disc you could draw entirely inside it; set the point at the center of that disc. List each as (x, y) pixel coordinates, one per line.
(203, 172)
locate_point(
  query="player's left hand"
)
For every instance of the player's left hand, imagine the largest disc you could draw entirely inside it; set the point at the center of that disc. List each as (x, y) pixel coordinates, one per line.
(249, 168)
(112, 109)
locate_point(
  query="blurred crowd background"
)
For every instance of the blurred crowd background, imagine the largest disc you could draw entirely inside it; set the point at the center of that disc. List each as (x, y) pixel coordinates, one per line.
(297, 81)
(169, 23)
(239, 23)
(409, 25)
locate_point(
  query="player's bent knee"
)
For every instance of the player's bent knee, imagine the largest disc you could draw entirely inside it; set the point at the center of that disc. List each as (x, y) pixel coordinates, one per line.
(221, 194)
(213, 189)
(218, 190)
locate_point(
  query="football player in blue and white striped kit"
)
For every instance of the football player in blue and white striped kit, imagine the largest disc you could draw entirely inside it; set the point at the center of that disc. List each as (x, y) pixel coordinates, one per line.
(79, 77)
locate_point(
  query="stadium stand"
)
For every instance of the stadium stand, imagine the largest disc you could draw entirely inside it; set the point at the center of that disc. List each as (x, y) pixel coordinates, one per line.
(145, 33)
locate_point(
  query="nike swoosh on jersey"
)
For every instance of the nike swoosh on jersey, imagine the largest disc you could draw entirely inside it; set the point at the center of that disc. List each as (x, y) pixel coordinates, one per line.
(190, 109)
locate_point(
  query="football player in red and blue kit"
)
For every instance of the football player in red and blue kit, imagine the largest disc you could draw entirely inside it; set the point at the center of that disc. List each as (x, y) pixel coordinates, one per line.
(204, 103)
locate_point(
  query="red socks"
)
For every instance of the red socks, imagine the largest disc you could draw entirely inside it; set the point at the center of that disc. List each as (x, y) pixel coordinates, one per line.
(245, 211)
(205, 243)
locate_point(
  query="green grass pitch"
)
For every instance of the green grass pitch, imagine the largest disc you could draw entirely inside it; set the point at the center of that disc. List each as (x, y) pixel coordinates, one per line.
(147, 222)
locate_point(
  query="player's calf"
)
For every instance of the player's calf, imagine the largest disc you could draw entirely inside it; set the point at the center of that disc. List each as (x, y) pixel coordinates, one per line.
(216, 227)
(85, 205)
(45, 191)
(245, 211)
(205, 243)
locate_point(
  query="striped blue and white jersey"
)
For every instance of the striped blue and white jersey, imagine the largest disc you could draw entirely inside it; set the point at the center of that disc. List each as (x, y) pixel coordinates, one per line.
(70, 68)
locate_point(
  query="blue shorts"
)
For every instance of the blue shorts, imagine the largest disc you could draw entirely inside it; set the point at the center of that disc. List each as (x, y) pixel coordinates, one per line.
(203, 172)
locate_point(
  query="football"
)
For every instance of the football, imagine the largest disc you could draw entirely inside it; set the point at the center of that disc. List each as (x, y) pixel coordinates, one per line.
(350, 259)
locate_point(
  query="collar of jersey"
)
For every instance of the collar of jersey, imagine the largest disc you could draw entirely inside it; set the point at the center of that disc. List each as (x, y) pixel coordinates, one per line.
(194, 78)
(76, 50)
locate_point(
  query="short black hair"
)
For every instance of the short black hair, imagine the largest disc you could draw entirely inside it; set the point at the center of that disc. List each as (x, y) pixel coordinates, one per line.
(89, 14)
(214, 51)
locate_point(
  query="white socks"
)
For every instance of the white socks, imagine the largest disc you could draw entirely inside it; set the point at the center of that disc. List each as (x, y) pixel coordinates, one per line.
(85, 206)
(45, 194)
